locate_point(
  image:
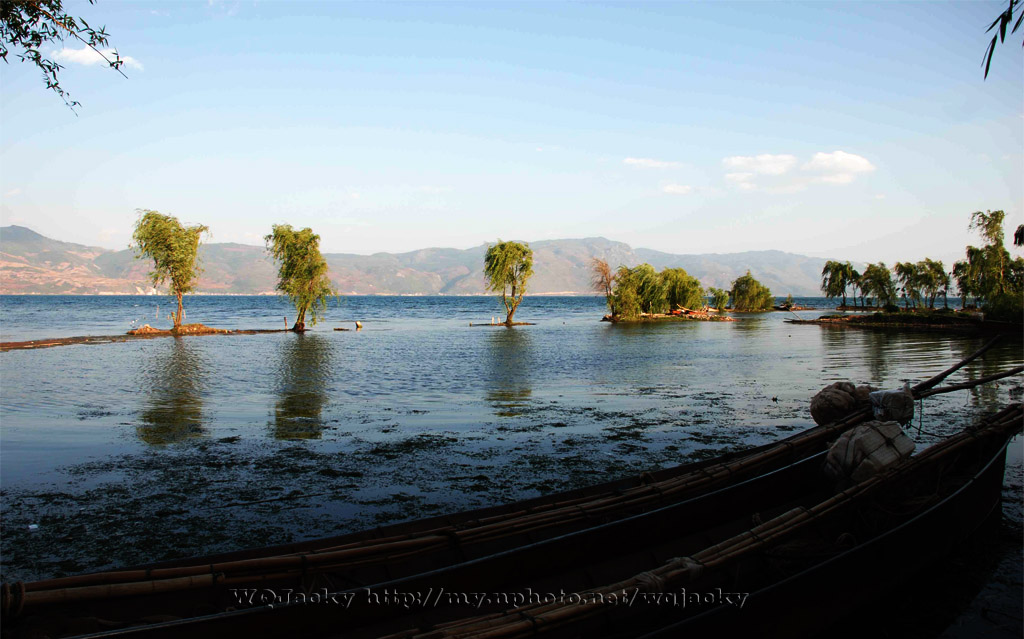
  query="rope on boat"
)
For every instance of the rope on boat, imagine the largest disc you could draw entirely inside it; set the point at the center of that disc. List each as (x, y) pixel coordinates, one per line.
(650, 582)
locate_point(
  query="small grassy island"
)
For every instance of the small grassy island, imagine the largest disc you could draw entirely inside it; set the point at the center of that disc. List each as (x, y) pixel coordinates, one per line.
(184, 329)
(642, 294)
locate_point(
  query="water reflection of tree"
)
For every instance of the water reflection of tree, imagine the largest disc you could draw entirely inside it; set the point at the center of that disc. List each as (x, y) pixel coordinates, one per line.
(510, 363)
(877, 345)
(1000, 357)
(174, 411)
(304, 371)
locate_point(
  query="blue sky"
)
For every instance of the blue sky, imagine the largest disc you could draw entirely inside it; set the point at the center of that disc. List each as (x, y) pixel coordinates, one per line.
(854, 130)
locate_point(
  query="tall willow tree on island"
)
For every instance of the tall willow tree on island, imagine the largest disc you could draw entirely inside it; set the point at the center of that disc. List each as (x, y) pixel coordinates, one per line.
(508, 266)
(173, 249)
(302, 274)
(877, 282)
(990, 274)
(836, 277)
(682, 289)
(638, 290)
(750, 295)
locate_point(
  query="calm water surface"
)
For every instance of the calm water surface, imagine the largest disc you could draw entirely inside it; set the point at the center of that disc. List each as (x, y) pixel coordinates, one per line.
(131, 452)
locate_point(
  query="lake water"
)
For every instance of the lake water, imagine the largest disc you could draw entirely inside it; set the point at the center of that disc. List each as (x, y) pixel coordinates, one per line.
(130, 452)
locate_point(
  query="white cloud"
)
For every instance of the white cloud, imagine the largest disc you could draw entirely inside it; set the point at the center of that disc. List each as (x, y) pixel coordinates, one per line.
(838, 167)
(765, 164)
(648, 163)
(772, 173)
(12, 192)
(741, 180)
(88, 57)
(677, 189)
(880, 196)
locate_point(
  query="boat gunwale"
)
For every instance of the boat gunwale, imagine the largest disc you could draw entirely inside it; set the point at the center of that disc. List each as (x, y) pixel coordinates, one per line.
(464, 565)
(998, 453)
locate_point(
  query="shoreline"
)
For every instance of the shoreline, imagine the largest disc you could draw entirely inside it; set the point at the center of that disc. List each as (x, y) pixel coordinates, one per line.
(109, 339)
(912, 322)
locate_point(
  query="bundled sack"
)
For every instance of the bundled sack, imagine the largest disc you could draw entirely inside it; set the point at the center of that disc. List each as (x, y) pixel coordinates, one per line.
(867, 449)
(896, 406)
(838, 400)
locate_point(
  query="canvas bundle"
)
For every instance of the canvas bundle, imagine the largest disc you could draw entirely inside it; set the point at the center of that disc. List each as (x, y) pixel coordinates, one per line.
(866, 450)
(837, 400)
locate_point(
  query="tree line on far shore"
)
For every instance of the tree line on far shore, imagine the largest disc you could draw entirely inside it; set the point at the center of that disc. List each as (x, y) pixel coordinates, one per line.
(988, 274)
(988, 277)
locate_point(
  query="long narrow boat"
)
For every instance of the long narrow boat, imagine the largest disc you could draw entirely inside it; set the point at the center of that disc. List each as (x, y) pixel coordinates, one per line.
(792, 574)
(207, 586)
(706, 544)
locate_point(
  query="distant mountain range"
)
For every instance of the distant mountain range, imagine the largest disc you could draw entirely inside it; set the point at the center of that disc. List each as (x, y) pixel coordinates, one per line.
(32, 263)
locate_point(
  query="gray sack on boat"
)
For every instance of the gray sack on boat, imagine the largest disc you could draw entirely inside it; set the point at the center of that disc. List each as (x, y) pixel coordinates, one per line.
(893, 405)
(837, 400)
(866, 450)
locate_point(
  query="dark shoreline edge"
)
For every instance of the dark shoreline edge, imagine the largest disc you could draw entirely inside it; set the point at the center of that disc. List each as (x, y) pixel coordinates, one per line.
(107, 339)
(885, 323)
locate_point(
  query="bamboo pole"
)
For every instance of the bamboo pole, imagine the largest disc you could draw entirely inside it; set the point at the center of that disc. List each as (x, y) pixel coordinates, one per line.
(971, 383)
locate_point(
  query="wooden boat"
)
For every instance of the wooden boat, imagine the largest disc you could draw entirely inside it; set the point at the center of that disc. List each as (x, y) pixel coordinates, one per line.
(465, 550)
(827, 557)
(808, 541)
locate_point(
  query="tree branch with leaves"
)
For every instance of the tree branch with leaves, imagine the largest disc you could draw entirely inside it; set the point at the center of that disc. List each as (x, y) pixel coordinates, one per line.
(999, 26)
(30, 25)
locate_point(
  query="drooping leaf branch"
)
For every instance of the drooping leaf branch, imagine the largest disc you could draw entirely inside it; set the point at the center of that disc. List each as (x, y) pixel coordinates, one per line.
(31, 24)
(999, 25)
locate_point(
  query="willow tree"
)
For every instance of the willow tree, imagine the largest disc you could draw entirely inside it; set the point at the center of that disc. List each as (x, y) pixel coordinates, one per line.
(302, 274)
(682, 289)
(603, 279)
(836, 277)
(990, 226)
(173, 249)
(934, 280)
(640, 289)
(38, 29)
(750, 295)
(877, 282)
(990, 274)
(909, 275)
(507, 267)
(719, 298)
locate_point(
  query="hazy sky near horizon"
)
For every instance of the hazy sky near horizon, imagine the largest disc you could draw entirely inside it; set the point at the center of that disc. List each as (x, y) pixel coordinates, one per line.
(854, 130)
